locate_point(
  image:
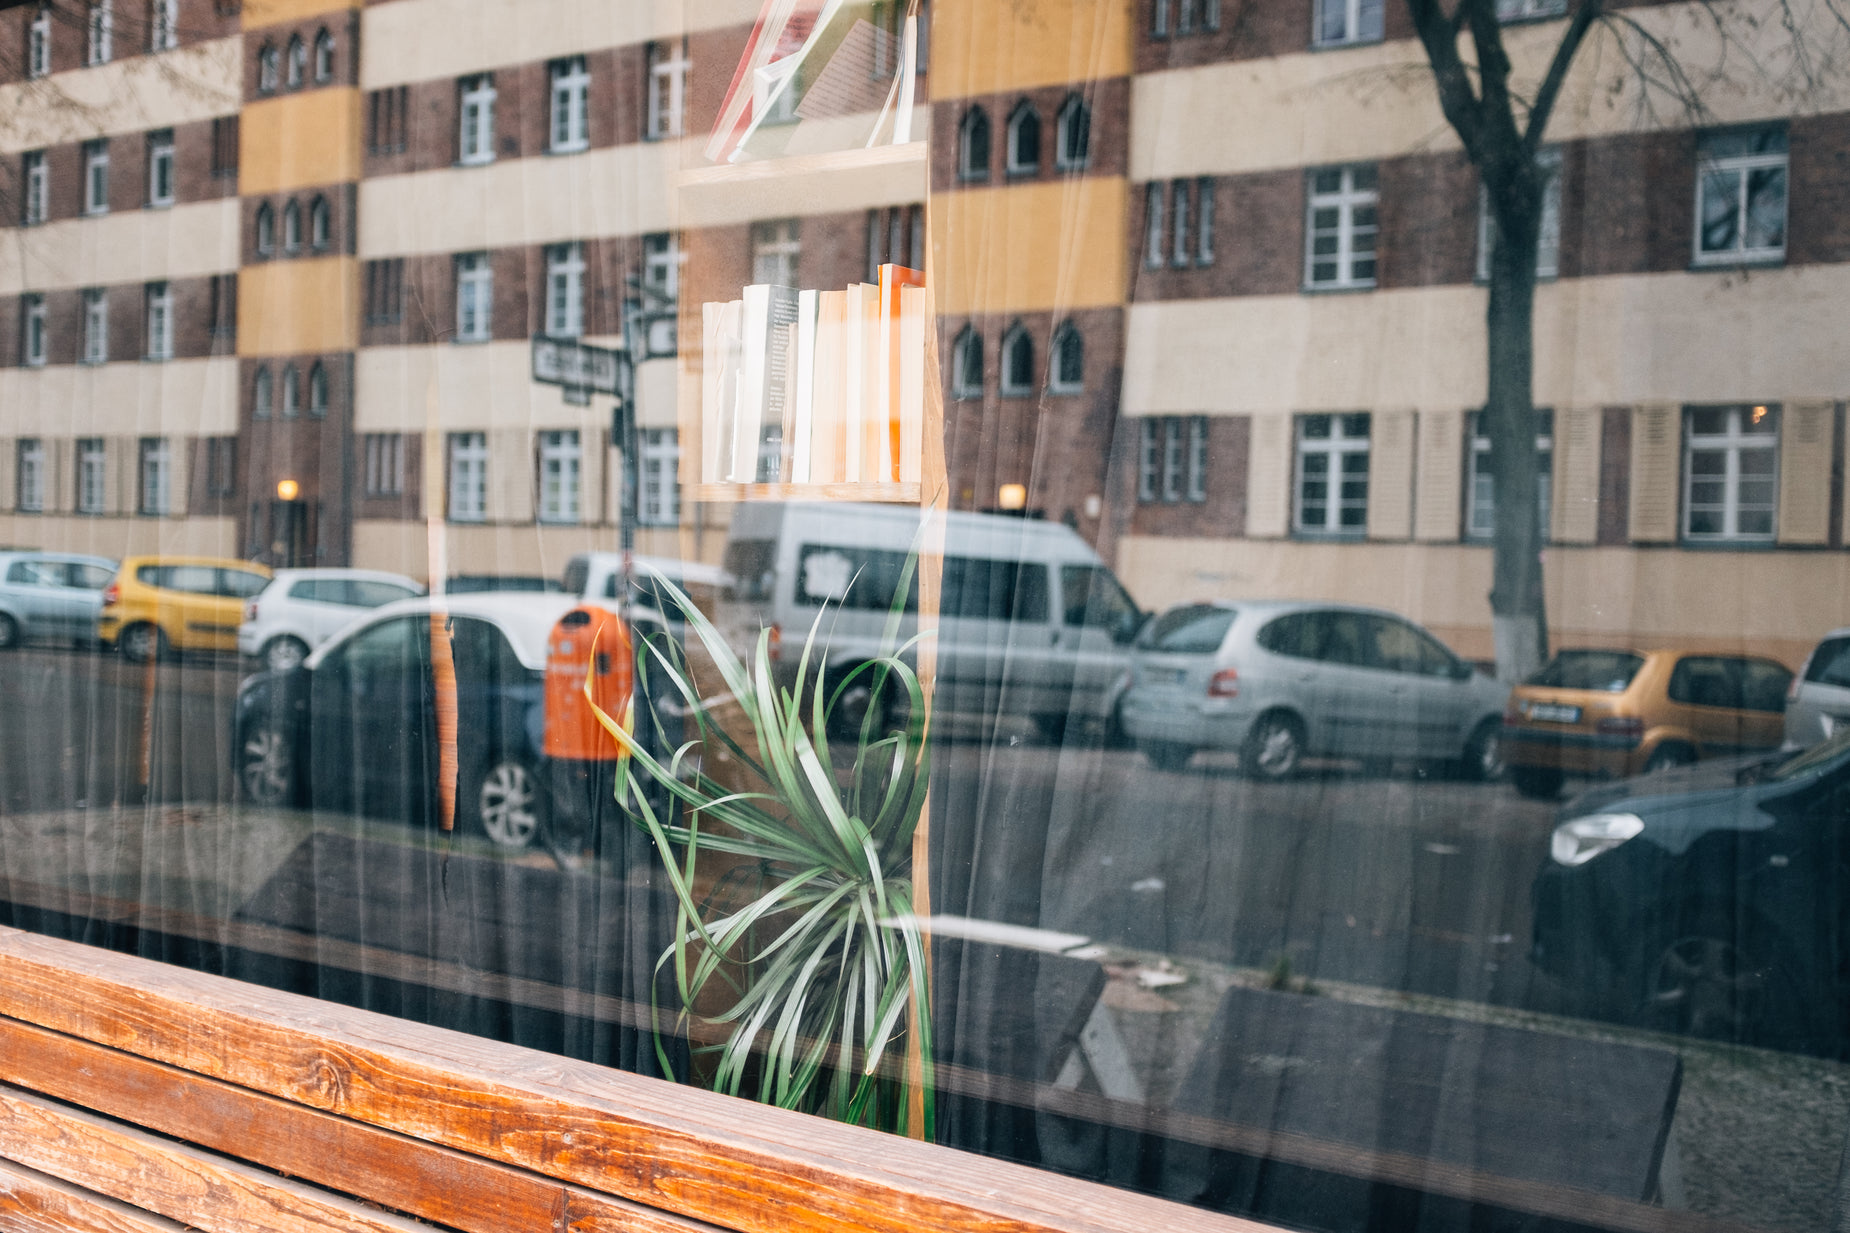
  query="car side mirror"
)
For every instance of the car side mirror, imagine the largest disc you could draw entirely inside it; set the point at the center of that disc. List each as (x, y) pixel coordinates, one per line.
(1462, 671)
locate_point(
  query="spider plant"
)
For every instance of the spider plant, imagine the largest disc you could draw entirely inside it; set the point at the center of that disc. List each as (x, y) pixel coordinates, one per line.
(807, 954)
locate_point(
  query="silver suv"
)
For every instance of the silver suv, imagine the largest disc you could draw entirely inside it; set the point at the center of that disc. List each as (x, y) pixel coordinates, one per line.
(1279, 681)
(1818, 700)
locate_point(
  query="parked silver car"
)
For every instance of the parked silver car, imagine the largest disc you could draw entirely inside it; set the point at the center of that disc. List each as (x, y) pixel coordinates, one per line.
(1282, 680)
(51, 595)
(1818, 700)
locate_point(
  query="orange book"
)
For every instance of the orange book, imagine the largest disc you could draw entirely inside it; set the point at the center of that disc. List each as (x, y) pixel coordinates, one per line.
(892, 279)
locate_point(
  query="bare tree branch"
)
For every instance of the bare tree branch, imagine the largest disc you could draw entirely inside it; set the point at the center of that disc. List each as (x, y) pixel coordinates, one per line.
(1543, 107)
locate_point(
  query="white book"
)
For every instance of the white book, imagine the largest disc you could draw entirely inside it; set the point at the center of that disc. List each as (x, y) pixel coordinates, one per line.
(803, 412)
(915, 317)
(768, 310)
(856, 355)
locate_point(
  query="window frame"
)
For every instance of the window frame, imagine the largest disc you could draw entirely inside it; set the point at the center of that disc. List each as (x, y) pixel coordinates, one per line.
(158, 297)
(382, 475)
(320, 225)
(475, 297)
(1339, 445)
(292, 228)
(1353, 34)
(92, 460)
(565, 290)
(665, 117)
(1060, 379)
(658, 460)
(1548, 248)
(568, 113)
(263, 393)
(34, 331)
(99, 29)
(161, 168)
(1742, 166)
(974, 125)
(1014, 338)
(1073, 123)
(96, 177)
(29, 476)
(95, 326)
(317, 391)
(324, 56)
(269, 68)
(468, 474)
(163, 25)
(475, 119)
(1477, 454)
(154, 472)
(264, 241)
(1731, 444)
(560, 475)
(1024, 126)
(38, 43)
(295, 63)
(1172, 460)
(778, 240)
(1345, 199)
(968, 345)
(291, 382)
(35, 199)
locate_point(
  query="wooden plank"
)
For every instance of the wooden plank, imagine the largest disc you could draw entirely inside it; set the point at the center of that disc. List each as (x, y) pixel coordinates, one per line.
(419, 1178)
(735, 1164)
(31, 1202)
(197, 1188)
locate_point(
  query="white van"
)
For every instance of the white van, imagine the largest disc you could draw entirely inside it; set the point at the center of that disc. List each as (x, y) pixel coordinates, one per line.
(1031, 622)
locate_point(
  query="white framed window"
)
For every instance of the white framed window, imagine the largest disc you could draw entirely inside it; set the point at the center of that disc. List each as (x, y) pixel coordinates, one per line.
(36, 194)
(1347, 21)
(160, 168)
(560, 465)
(1741, 196)
(967, 364)
(661, 280)
(263, 394)
(668, 66)
(565, 291)
(776, 247)
(295, 62)
(96, 177)
(1172, 459)
(30, 495)
(101, 28)
(266, 230)
(1017, 362)
(34, 346)
(1068, 375)
(1155, 224)
(163, 24)
(1183, 17)
(1730, 473)
(570, 117)
(468, 477)
(1481, 520)
(1024, 140)
(1548, 244)
(475, 298)
(384, 465)
(659, 467)
(320, 228)
(1331, 494)
(1340, 227)
(269, 69)
(92, 472)
(324, 57)
(292, 392)
(160, 321)
(1529, 10)
(973, 145)
(475, 137)
(96, 326)
(292, 229)
(156, 477)
(1073, 134)
(318, 392)
(38, 43)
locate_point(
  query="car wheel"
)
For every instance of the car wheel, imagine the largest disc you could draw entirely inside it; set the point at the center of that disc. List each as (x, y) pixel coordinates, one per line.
(1541, 783)
(284, 654)
(1483, 756)
(1668, 755)
(1166, 755)
(266, 766)
(1713, 980)
(848, 717)
(1273, 747)
(509, 803)
(142, 642)
(9, 633)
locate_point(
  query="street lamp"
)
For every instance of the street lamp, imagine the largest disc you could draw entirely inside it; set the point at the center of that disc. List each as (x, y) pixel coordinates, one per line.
(1012, 496)
(287, 490)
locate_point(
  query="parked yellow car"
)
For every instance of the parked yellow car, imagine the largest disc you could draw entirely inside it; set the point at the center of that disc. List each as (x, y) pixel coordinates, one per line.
(159, 604)
(1617, 713)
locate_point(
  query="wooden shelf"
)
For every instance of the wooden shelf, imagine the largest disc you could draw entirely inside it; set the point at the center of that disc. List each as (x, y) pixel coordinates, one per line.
(804, 184)
(897, 493)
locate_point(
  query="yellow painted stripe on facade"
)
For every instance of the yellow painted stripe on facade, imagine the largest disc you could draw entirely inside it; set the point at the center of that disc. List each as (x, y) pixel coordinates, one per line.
(295, 307)
(982, 47)
(299, 141)
(260, 13)
(1032, 247)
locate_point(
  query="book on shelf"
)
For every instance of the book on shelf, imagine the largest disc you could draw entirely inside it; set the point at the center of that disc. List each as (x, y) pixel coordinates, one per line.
(764, 361)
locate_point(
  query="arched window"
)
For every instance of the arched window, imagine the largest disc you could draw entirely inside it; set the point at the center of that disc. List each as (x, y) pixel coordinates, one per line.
(318, 392)
(324, 58)
(266, 230)
(261, 395)
(269, 66)
(297, 67)
(292, 228)
(318, 228)
(292, 393)
(967, 364)
(1069, 360)
(1024, 149)
(1017, 362)
(973, 145)
(1074, 138)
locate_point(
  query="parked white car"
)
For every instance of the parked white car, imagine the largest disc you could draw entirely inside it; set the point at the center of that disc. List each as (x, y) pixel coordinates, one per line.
(1818, 700)
(303, 608)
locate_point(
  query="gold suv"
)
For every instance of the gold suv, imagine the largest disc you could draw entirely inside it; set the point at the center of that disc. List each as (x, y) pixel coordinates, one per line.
(1615, 713)
(159, 604)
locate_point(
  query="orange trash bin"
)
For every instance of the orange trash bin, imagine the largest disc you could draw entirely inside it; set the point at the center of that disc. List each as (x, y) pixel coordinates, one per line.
(572, 730)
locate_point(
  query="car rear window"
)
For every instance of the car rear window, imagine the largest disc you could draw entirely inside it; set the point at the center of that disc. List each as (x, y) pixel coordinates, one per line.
(1194, 629)
(1830, 663)
(1604, 671)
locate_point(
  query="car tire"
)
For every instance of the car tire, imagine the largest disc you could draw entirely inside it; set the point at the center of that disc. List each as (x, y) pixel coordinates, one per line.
(1166, 755)
(510, 803)
(1274, 747)
(283, 653)
(1668, 756)
(142, 642)
(9, 632)
(1538, 783)
(1482, 761)
(266, 766)
(847, 719)
(1714, 978)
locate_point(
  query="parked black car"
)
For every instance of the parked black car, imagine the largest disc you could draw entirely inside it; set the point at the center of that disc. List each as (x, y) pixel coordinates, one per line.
(1709, 901)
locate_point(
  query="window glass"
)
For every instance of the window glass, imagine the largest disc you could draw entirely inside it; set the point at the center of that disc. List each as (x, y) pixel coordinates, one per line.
(1606, 671)
(1830, 663)
(371, 593)
(1201, 628)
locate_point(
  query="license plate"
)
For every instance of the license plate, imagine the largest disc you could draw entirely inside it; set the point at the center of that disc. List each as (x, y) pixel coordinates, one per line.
(1165, 676)
(1551, 713)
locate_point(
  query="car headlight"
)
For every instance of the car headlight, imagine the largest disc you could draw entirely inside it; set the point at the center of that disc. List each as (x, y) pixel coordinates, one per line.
(1579, 840)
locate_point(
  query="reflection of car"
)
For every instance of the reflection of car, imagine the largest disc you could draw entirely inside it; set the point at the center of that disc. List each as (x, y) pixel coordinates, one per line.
(1708, 900)
(592, 576)
(303, 608)
(51, 595)
(157, 604)
(1599, 712)
(1278, 680)
(1818, 701)
(475, 584)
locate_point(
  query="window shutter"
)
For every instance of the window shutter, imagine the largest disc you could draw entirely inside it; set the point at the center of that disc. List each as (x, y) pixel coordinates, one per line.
(1806, 430)
(9, 475)
(179, 474)
(121, 475)
(591, 496)
(1574, 506)
(1657, 454)
(1268, 478)
(61, 475)
(513, 486)
(1439, 494)
(1390, 475)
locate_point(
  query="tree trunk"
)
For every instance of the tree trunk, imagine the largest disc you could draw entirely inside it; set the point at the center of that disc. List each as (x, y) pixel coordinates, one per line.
(1519, 623)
